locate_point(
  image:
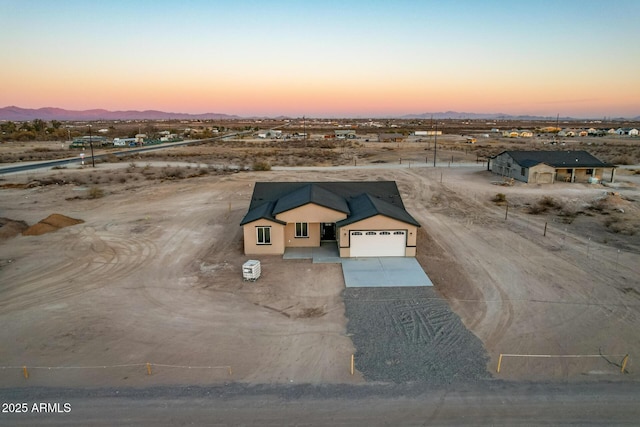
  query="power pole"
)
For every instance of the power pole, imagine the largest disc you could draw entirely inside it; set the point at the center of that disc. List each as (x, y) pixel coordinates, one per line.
(435, 144)
(93, 161)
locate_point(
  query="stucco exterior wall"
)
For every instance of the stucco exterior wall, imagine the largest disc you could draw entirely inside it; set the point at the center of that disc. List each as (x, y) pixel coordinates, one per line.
(251, 246)
(311, 213)
(540, 174)
(291, 241)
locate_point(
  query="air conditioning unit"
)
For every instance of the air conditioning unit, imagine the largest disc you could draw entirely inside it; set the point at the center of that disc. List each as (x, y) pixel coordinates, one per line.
(251, 270)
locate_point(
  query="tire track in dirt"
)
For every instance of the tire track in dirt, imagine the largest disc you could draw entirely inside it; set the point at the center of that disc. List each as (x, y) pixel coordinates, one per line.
(93, 260)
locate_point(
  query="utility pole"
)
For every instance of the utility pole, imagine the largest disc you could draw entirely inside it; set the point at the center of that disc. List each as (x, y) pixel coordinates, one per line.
(93, 161)
(435, 144)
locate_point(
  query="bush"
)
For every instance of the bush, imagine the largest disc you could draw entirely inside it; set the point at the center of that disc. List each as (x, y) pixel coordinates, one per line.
(261, 166)
(95, 193)
(543, 205)
(499, 198)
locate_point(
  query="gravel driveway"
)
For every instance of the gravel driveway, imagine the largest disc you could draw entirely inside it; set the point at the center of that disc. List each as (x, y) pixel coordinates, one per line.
(411, 334)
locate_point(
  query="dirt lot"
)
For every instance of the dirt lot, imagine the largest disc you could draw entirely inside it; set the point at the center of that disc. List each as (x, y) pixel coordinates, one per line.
(153, 275)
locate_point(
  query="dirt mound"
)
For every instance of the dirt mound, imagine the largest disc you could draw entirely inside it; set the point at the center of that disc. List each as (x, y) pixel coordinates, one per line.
(10, 228)
(51, 223)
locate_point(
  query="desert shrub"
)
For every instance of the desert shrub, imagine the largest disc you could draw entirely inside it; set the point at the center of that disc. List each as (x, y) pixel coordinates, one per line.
(499, 198)
(543, 205)
(622, 160)
(618, 225)
(261, 166)
(172, 173)
(95, 193)
(549, 202)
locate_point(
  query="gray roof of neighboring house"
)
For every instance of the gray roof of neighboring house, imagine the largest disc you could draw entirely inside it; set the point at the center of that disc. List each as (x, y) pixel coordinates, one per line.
(358, 200)
(557, 159)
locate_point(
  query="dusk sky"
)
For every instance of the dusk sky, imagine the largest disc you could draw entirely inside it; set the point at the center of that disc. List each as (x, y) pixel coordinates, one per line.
(323, 58)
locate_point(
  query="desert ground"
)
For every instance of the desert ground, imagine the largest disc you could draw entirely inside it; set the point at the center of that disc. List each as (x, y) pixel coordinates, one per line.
(153, 274)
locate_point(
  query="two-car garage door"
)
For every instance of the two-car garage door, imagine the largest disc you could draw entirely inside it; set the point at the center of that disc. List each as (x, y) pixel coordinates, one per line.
(375, 243)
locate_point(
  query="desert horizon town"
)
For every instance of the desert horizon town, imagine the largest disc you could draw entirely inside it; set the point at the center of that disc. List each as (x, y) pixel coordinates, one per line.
(328, 252)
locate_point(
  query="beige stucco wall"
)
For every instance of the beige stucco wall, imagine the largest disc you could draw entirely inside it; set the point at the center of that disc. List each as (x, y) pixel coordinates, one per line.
(250, 238)
(541, 173)
(311, 213)
(302, 242)
(378, 222)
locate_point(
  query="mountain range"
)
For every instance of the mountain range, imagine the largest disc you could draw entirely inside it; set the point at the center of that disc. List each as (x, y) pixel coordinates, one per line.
(50, 113)
(14, 113)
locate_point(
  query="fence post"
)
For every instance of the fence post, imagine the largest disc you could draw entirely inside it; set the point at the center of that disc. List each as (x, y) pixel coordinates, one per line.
(352, 364)
(624, 363)
(25, 372)
(148, 368)
(499, 363)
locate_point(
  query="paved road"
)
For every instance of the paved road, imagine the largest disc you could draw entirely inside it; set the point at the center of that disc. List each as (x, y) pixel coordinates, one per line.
(23, 167)
(484, 403)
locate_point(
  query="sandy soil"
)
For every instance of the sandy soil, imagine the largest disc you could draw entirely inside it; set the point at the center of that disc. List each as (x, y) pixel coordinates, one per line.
(154, 275)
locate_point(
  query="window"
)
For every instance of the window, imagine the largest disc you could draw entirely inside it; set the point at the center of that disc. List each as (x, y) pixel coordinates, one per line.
(264, 235)
(302, 229)
(398, 232)
(589, 171)
(522, 171)
(385, 233)
(356, 233)
(370, 233)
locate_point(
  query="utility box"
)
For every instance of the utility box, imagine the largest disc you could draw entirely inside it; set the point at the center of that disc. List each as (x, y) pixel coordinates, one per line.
(251, 270)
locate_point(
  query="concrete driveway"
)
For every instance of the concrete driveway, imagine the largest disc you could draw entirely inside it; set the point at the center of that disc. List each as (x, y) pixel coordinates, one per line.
(383, 272)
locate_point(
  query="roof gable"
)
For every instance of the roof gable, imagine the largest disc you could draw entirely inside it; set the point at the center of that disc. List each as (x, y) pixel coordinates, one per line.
(263, 211)
(365, 206)
(310, 193)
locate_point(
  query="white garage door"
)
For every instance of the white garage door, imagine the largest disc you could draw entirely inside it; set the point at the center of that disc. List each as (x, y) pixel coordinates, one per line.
(371, 243)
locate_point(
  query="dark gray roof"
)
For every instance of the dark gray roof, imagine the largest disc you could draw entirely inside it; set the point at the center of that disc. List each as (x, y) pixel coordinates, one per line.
(262, 211)
(271, 198)
(365, 206)
(558, 159)
(310, 193)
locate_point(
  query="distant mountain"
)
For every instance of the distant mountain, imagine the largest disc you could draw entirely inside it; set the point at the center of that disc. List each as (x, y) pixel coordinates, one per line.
(476, 116)
(50, 113)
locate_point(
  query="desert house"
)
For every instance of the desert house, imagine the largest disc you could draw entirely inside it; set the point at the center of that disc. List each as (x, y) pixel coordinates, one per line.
(391, 137)
(547, 167)
(364, 219)
(344, 134)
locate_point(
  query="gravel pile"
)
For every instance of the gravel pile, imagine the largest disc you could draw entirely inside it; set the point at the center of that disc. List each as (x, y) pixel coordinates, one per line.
(411, 334)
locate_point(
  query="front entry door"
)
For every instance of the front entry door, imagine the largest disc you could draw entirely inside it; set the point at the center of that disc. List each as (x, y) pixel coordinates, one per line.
(328, 231)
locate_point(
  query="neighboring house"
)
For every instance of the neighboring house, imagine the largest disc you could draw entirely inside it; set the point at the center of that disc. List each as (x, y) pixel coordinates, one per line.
(270, 134)
(633, 132)
(344, 134)
(526, 134)
(364, 219)
(546, 167)
(390, 137)
(511, 133)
